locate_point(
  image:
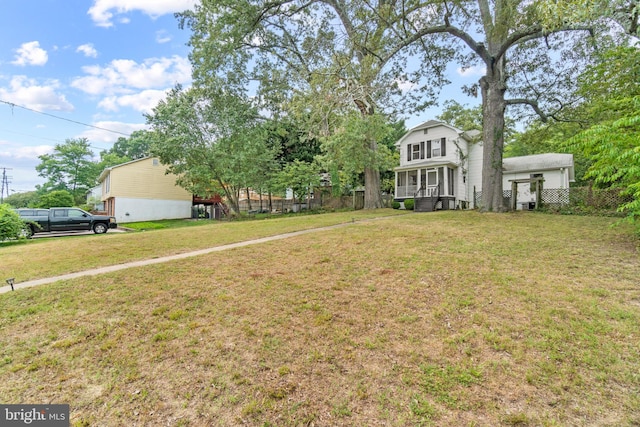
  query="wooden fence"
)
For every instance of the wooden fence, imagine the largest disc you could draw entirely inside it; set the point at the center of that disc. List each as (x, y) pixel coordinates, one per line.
(321, 201)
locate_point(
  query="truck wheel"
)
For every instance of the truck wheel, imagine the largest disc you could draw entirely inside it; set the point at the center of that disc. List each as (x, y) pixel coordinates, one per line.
(100, 228)
(27, 232)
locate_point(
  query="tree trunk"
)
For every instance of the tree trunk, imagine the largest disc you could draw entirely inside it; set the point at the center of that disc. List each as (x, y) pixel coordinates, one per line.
(493, 107)
(372, 196)
(248, 199)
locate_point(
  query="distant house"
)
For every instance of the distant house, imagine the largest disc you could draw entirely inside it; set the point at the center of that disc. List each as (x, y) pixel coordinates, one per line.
(140, 190)
(441, 168)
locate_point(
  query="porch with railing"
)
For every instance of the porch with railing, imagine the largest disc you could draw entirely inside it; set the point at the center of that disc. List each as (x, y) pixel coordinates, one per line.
(404, 191)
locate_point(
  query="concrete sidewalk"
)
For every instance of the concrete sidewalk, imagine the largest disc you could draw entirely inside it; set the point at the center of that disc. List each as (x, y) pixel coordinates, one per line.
(118, 267)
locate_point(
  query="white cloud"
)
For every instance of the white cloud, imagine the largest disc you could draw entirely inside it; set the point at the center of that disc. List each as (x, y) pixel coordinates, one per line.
(163, 36)
(143, 101)
(28, 93)
(125, 76)
(30, 53)
(474, 71)
(88, 50)
(24, 152)
(103, 11)
(104, 136)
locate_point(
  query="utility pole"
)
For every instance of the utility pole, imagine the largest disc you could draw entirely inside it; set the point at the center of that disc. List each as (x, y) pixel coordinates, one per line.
(5, 184)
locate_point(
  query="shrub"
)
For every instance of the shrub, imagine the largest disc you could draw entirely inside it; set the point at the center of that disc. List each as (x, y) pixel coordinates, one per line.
(11, 225)
(408, 204)
(395, 205)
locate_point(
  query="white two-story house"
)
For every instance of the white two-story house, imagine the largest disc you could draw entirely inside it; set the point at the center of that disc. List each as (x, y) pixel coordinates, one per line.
(441, 168)
(439, 160)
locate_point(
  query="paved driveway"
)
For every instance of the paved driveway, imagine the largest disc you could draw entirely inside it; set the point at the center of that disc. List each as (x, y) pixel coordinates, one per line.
(71, 233)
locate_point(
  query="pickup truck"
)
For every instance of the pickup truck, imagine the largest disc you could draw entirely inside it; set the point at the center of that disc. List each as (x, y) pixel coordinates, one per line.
(65, 219)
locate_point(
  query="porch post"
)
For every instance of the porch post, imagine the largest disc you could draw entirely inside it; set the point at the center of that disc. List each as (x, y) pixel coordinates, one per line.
(395, 192)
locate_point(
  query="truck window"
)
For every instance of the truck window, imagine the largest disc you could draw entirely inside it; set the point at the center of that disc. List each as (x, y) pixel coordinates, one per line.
(26, 213)
(59, 213)
(75, 213)
(42, 212)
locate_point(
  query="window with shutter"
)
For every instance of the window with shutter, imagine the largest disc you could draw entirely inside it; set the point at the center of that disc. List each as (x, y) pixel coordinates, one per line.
(415, 152)
(435, 146)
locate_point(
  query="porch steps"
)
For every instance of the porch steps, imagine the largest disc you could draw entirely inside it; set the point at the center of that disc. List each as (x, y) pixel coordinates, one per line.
(425, 204)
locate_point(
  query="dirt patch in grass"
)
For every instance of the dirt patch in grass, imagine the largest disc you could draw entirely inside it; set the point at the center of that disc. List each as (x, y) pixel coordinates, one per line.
(452, 319)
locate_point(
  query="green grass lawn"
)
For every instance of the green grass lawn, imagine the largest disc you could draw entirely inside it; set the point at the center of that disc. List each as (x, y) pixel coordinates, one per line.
(448, 318)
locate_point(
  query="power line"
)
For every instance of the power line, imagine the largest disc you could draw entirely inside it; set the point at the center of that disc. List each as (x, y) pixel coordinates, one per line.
(12, 105)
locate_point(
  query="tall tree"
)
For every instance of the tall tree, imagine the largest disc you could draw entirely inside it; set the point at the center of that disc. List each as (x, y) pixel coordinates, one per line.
(525, 63)
(612, 107)
(134, 147)
(322, 58)
(212, 141)
(70, 167)
(347, 148)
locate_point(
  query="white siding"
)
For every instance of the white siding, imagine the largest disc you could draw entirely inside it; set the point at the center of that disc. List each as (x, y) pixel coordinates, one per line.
(461, 186)
(552, 178)
(135, 210)
(435, 133)
(474, 177)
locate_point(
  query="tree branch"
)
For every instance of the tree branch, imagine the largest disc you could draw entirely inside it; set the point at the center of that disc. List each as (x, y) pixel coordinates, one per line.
(530, 102)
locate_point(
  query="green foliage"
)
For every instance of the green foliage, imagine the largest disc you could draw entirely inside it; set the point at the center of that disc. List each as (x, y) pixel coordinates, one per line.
(350, 61)
(136, 146)
(409, 204)
(288, 138)
(300, 177)
(461, 116)
(57, 198)
(22, 200)
(211, 139)
(395, 205)
(70, 167)
(615, 153)
(11, 225)
(349, 148)
(611, 88)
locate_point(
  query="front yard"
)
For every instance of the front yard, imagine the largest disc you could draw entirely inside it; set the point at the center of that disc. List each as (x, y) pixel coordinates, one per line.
(448, 318)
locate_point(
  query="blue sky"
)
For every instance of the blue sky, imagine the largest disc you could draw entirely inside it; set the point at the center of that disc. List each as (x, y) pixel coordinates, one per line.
(100, 62)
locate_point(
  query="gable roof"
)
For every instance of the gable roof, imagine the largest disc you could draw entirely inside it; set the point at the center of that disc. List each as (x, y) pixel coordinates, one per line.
(536, 162)
(468, 135)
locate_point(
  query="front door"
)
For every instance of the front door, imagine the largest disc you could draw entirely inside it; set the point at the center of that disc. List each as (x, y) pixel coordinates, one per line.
(432, 181)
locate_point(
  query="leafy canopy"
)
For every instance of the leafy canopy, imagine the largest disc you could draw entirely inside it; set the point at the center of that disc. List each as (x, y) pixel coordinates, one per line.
(70, 167)
(211, 139)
